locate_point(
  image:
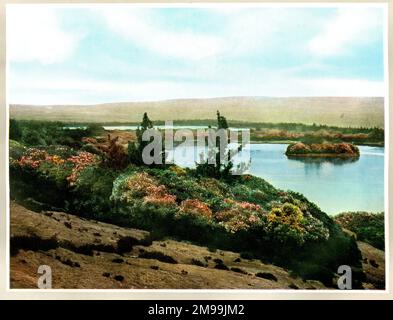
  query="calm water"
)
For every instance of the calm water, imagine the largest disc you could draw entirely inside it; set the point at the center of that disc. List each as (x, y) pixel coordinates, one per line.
(334, 185)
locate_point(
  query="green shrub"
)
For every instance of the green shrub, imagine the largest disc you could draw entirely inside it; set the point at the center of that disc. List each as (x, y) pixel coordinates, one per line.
(368, 227)
(91, 193)
(15, 132)
(94, 129)
(46, 133)
(57, 174)
(16, 149)
(44, 187)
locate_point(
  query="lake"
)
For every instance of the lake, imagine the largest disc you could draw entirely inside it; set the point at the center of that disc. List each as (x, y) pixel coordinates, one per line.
(134, 127)
(335, 185)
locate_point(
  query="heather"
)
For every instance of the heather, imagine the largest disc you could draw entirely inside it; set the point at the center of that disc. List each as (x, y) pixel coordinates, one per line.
(206, 205)
(246, 214)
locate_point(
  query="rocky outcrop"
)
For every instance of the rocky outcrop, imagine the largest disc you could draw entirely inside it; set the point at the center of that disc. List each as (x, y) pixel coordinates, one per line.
(87, 254)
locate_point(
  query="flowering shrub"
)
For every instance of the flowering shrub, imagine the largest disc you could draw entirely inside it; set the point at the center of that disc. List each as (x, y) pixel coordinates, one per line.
(142, 184)
(32, 159)
(288, 214)
(80, 162)
(178, 170)
(248, 206)
(161, 199)
(127, 188)
(61, 151)
(315, 230)
(37, 158)
(288, 222)
(195, 207)
(240, 216)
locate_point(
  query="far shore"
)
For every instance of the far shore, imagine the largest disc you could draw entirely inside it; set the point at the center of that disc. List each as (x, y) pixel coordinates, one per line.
(369, 144)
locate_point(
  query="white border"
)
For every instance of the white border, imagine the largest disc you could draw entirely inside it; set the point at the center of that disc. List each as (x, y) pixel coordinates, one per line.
(295, 293)
(207, 4)
(387, 148)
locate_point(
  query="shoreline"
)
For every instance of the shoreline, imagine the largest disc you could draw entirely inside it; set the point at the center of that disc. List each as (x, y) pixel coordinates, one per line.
(371, 144)
(322, 155)
(287, 142)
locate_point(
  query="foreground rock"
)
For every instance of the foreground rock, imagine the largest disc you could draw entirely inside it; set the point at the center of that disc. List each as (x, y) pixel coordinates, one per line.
(86, 254)
(373, 266)
(340, 150)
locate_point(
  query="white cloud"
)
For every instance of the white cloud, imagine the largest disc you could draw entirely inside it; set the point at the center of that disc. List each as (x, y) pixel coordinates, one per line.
(243, 31)
(255, 31)
(34, 34)
(341, 87)
(138, 27)
(350, 27)
(81, 90)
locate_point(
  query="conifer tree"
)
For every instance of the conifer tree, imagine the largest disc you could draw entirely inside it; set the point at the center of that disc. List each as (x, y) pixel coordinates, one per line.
(135, 149)
(217, 169)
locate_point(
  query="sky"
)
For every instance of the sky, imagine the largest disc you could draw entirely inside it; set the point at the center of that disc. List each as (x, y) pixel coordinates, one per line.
(113, 53)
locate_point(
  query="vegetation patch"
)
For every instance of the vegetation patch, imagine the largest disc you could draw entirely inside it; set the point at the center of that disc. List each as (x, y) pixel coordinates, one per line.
(221, 266)
(158, 256)
(322, 150)
(238, 270)
(198, 263)
(266, 275)
(368, 227)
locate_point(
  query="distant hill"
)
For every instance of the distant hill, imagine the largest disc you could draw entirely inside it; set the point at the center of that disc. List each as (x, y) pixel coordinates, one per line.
(340, 111)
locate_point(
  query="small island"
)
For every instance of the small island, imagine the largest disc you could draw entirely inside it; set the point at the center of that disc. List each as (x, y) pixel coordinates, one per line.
(340, 150)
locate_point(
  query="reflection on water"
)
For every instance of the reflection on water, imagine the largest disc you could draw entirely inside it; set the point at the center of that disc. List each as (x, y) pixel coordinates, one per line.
(335, 185)
(318, 162)
(314, 166)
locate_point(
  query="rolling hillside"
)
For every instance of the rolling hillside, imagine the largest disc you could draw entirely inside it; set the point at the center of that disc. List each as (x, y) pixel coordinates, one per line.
(340, 111)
